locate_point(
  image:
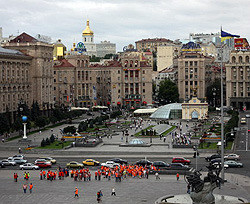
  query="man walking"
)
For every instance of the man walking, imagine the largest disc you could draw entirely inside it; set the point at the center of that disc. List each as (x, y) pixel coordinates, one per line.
(99, 196)
(31, 187)
(113, 192)
(177, 176)
(76, 192)
(24, 188)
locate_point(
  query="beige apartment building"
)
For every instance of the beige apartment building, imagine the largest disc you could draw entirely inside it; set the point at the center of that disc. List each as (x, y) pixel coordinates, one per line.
(151, 44)
(15, 80)
(40, 73)
(166, 55)
(74, 81)
(193, 75)
(126, 82)
(238, 80)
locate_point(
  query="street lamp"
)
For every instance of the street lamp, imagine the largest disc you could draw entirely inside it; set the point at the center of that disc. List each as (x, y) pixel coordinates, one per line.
(214, 94)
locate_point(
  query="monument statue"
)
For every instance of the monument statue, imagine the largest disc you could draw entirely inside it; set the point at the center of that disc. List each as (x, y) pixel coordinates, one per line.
(202, 190)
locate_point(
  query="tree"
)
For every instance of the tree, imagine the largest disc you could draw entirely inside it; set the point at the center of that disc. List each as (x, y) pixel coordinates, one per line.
(52, 138)
(47, 141)
(41, 121)
(213, 93)
(43, 143)
(4, 124)
(35, 110)
(70, 129)
(94, 59)
(168, 92)
(108, 56)
(82, 126)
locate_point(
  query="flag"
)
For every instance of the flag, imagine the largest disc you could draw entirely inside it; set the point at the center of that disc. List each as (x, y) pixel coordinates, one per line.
(225, 36)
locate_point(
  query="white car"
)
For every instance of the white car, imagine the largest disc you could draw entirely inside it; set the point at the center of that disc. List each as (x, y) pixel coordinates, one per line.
(49, 159)
(217, 165)
(232, 157)
(43, 160)
(28, 166)
(110, 164)
(19, 156)
(7, 162)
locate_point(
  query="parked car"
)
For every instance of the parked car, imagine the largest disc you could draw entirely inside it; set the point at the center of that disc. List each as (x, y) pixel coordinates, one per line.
(178, 166)
(247, 116)
(232, 157)
(74, 164)
(7, 162)
(232, 163)
(110, 164)
(19, 161)
(119, 161)
(91, 162)
(28, 166)
(144, 162)
(181, 160)
(243, 121)
(214, 156)
(2, 164)
(49, 159)
(161, 164)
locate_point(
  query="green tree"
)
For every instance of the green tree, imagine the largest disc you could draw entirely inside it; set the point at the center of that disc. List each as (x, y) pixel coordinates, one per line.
(108, 56)
(213, 93)
(94, 59)
(47, 141)
(4, 124)
(35, 110)
(70, 129)
(168, 92)
(82, 126)
(41, 121)
(43, 143)
(52, 138)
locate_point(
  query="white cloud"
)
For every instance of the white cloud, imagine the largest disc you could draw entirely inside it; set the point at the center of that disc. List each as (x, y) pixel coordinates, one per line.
(124, 22)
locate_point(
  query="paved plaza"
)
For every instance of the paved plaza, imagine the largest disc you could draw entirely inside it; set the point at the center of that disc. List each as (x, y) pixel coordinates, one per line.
(129, 191)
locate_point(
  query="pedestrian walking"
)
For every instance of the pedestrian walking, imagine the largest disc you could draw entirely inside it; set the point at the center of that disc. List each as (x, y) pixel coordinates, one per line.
(76, 192)
(177, 176)
(113, 192)
(31, 187)
(19, 150)
(24, 188)
(15, 177)
(99, 196)
(188, 189)
(164, 139)
(157, 177)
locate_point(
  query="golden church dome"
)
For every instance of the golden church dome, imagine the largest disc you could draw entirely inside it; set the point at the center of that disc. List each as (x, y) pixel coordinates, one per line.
(87, 30)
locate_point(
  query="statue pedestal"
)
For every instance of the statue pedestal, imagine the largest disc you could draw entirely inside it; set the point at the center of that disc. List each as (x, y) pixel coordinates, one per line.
(24, 141)
(185, 198)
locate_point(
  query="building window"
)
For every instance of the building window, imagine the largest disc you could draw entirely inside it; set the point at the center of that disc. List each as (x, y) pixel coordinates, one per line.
(233, 59)
(131, 74)
(119, 72)
(240, 59)
(119, 91)
(195, 70)
(195, 83)
(136, 74)
(143, 84)
(195, 63)
(143, 71)
(186, 63)
(247, 59)
(54, 80)
(119, 78)
(186, 83)
(54, 72)
(143, 90)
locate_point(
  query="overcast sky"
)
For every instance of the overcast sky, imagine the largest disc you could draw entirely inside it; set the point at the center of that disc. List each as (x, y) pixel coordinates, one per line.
(124, 21)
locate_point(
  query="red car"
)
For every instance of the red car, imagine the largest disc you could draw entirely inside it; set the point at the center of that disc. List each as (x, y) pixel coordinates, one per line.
(181, 160)
(43, 164)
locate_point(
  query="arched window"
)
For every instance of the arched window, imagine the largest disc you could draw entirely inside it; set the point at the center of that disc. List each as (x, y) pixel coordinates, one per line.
(126, 63)
(78, 63)
(131, 63)
(136, 63)
(233, 59)
(240, 59)
(82, 65)
(247, 59)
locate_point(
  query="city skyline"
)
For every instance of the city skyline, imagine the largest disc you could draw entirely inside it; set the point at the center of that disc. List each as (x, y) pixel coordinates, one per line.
(123, 22)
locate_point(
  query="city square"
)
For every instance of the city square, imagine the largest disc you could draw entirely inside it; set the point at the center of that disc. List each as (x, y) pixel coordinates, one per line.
(124, 102)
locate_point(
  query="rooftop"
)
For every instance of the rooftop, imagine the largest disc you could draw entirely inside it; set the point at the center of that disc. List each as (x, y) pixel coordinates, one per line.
(10, 52)
(63, 63)
(154, 40)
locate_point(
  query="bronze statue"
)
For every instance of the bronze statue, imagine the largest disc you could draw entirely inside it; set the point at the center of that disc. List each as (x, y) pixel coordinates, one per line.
(202, 190)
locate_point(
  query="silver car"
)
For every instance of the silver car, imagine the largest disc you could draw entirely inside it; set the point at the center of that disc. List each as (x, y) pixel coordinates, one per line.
(28, 166)
(7, 162)
(19, 161)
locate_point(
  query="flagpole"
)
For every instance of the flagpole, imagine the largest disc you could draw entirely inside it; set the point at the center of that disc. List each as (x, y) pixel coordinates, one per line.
(222, 118)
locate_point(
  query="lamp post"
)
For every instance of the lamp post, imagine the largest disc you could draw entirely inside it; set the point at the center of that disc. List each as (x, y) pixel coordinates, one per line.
(214, 94)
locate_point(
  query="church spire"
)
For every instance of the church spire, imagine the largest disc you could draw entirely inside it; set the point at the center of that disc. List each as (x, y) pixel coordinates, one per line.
(87, 30)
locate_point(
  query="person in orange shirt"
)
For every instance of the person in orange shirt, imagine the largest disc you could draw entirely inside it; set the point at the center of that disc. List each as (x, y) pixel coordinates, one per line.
(31, 187)
(177, 176)
(76, 192)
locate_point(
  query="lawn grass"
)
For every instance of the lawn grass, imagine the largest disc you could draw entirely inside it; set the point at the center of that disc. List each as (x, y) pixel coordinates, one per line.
(169, 130)
(56, 145)
(214, 146)
(139, 133)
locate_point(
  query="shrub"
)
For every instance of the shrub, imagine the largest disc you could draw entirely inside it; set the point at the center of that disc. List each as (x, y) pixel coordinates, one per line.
(52, 138)
(47, 142)
(43, 143)
(70, 129)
